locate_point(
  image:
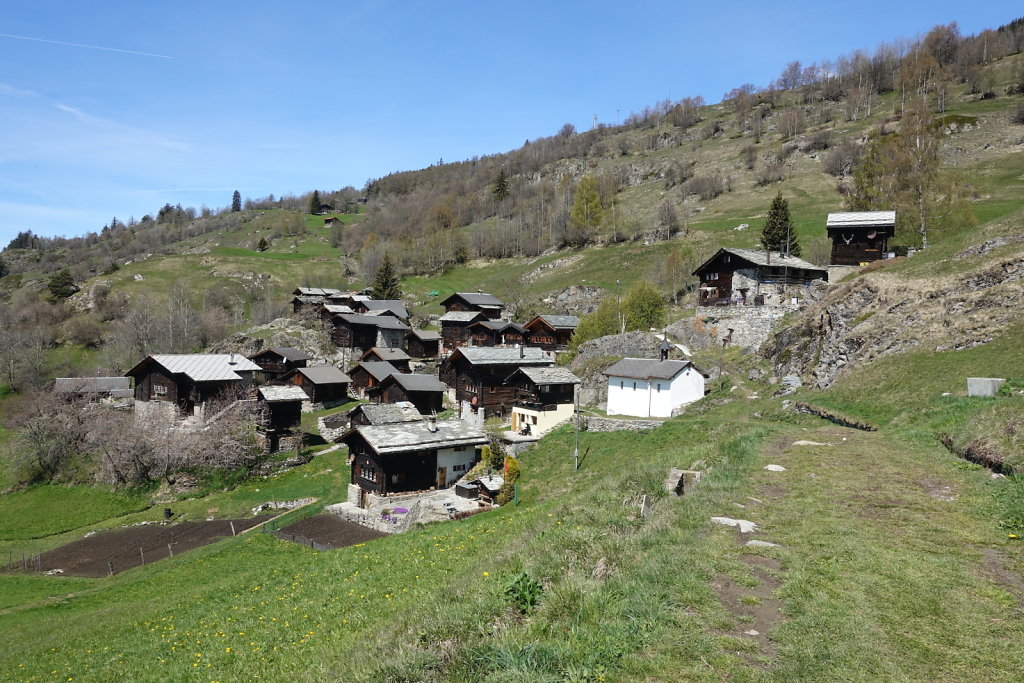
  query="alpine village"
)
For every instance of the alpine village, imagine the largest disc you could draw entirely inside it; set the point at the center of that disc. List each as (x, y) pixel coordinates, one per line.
(724, 391)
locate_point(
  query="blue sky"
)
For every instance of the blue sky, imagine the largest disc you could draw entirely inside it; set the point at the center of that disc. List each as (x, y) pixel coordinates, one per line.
(116, 108)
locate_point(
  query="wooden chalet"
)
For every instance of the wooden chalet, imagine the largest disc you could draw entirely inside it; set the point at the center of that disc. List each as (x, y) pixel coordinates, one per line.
(552, 332)
(455, 327)
(425, 392)
(497, 333)
(393, 307)
(277, 361)
(859, 237)
(323, 384)
(411, 456)
(311, 297)
(397, 357)
(544, 398)
(487, 304)
(282, 413)
(190, 380)
(423, 343)
(368, 374)
(352, 331)
(749, 277)
(480, 375)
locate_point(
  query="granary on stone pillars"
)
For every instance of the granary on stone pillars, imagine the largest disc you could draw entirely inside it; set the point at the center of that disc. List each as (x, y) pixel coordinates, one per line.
(860, 237)
(750, 277)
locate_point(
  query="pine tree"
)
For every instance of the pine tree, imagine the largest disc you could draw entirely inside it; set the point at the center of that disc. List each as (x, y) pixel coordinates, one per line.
(62, 285)
(501, 190)
(778, 233)
(386, 284)
(314, 202)
(236, 202)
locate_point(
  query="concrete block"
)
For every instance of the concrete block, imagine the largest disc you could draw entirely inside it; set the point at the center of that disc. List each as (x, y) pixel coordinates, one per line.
(985, 387)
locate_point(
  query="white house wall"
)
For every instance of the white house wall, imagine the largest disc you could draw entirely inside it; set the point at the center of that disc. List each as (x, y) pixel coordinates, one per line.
(455, 462)
(654, 398)
(540, 421)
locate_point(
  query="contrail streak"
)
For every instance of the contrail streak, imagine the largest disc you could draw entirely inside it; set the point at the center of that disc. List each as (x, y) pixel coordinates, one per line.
(91, 47)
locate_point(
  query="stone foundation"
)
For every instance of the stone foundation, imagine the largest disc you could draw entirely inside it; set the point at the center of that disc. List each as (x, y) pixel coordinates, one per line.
(607, 424)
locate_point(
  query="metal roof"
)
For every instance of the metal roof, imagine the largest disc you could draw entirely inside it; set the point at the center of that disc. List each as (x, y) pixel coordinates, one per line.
(476, 299)
(556, 374)
(378, 369)
(388, 413)
(275, 394)
(647, 368)
(324, 374)
(387, 354)
(493, 355)
(561, 322)
(412, 382)
(460, 316)
(93, 385)
(861, 219)
(206, 367)
(407, 436)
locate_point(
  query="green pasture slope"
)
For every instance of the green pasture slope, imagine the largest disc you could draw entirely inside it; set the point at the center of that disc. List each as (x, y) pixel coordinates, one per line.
(875, 576)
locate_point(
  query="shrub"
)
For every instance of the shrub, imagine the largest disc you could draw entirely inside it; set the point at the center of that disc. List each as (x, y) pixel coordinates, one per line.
(1017, 115)
(705, 186)
(524, 592)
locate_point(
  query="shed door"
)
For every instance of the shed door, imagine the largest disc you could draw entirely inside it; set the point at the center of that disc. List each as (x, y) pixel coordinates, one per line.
(442, 477)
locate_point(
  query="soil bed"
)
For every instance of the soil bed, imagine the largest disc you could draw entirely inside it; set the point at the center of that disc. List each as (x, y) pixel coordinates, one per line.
(327, 530)
(120, 548)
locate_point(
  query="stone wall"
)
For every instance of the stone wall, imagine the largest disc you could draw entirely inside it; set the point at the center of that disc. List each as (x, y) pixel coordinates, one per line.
(328, 434)
(607, 424)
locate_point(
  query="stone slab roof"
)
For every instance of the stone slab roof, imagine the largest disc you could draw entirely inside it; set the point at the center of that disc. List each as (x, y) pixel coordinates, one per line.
(115, 386)
(315, 291)
(388, 413)
(324, 374)
(413, 382)
(384, 322)
(337, 309)
(493, 355)
(387, 354)
(476, 299)
(561, 322)
(206, 367)
(647, 368)
(393, 305)
(459, 316)
(378, 369)
(427, 335)
(290, 353)
(762, 259)
(556, 374)
(276, 394)
(414, 436)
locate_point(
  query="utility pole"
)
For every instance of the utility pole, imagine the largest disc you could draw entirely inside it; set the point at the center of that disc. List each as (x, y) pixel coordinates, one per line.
(576, 402)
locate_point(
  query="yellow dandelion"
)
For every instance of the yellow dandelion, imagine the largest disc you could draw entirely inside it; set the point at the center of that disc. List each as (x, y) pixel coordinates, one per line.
(487, 573)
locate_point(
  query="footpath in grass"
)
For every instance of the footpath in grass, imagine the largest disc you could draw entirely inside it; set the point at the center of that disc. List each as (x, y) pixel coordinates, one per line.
(878, 574)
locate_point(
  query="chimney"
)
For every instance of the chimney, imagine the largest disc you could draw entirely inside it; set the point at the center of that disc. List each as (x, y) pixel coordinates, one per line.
(522, 351)
(231, 358)
(432, 424)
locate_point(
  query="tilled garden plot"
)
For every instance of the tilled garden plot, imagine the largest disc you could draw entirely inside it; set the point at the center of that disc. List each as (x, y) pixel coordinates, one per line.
(327, 531)
(130, 547)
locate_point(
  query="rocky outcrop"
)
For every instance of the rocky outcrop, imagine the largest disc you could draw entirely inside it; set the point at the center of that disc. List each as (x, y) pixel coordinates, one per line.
(278, 332)
(880, 314)
(598, 354)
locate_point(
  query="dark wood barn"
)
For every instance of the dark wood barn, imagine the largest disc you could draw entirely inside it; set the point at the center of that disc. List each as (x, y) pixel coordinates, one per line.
(455, 327)
(397, 357)
(497, 333)
(423, 343)
(480, 375)
(188, 380)
(749, 277)
(277, 361)
(425, 392)
(324, 384)
(860, 237)
(368, 374)
(304, 298)
(411, 456)
(487, 304)
(351, 331)
(552, 332)
(393, 307)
